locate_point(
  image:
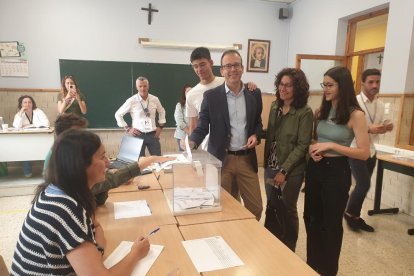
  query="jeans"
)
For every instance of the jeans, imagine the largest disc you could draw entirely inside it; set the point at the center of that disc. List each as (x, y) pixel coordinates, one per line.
(152, 143)
(27, 167)
(326, 194)
(290, 195)
(362, 172)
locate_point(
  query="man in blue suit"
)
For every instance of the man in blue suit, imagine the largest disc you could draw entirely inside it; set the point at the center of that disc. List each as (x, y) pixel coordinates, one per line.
(232, 116)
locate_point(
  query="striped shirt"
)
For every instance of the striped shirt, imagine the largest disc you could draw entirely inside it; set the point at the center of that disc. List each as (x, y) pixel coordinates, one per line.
(55, 225)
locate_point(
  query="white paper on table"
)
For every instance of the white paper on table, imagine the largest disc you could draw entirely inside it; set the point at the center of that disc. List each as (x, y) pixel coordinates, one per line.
(211, 253)
(143, 266)
(187, 149)
(131, 209)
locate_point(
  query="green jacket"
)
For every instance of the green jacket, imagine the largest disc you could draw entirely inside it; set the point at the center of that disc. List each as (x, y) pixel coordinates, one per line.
(113, 179)
(292, 133)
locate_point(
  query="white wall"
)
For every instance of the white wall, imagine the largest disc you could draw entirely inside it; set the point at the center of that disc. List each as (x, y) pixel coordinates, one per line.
(109, 30)
(315, 24)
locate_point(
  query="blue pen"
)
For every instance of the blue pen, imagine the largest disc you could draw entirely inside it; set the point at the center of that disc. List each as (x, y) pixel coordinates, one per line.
(153, 232)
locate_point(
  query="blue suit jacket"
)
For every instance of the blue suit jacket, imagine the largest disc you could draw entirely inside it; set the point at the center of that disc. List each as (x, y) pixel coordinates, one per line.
(214, 118)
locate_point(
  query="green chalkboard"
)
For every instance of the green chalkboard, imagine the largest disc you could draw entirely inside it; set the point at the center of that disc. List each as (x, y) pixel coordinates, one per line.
(107, 84)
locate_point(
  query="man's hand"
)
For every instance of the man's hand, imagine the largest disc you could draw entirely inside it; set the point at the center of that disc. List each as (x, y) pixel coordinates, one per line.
(251, 86)
(251, 142)
(133, 131)
(158, 132)
(377, 129)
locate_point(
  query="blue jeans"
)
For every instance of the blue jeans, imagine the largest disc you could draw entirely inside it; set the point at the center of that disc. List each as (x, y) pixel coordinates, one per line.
(179, 145)
(290, 195)
(152, 143)
(27, 167)
(362, 172)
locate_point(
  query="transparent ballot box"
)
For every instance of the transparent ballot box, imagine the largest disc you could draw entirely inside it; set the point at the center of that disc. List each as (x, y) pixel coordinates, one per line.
(196, 185)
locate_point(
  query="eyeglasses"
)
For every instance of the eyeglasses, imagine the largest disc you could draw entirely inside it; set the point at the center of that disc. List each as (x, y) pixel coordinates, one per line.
(327, 86)
(229, 66)
(285, 85)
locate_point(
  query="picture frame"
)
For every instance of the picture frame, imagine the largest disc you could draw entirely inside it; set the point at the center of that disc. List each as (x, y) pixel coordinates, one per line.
(258, 53)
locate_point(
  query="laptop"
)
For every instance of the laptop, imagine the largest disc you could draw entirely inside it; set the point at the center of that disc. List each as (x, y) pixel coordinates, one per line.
(128, 152)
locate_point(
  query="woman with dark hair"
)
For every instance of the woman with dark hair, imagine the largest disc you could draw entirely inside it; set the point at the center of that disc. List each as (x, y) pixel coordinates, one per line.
(289, 133)
(70, 99)
(61, 235)
(29, 115)
(328, 176)
(180, 119)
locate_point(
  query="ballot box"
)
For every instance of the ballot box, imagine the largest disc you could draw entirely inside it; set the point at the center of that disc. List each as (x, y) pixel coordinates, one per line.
(196, 185)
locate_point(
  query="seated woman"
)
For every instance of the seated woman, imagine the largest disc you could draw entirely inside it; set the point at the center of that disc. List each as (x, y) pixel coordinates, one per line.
(70, 99)
(29, 115)
(61, 235)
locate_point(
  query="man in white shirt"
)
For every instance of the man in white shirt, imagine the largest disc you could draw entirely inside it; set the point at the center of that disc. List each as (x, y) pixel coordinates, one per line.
(143, 108)
(362, 170)
(203, 66)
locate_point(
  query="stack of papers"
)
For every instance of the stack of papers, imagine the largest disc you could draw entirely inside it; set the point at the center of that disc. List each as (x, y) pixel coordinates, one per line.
(131, 209)
(143, 266)
(189, 198)
(211, 253)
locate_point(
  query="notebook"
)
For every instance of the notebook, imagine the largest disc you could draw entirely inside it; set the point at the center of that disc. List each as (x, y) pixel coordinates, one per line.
(128, 152)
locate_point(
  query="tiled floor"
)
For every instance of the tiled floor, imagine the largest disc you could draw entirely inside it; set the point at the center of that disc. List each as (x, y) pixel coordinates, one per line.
(387, 251)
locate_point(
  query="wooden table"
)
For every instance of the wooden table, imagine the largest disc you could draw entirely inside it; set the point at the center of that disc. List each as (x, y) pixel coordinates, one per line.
(165, 180)
(231, 210)
(161, 214)
(172, 258)
(386, 161)
(132, 186)
(25, 145)
(260, 251)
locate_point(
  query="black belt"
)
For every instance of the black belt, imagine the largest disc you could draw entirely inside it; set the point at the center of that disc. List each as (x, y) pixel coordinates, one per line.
(147, 133)
(239, 152)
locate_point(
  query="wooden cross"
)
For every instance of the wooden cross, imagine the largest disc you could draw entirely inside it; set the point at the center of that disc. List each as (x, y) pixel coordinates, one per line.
(380, 57)
(150, 11)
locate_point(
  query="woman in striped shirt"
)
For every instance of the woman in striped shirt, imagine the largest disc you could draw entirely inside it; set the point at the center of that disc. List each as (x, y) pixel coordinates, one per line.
(60, 235)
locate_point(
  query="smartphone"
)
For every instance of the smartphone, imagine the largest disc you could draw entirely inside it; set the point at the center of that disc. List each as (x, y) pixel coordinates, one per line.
(143, 187)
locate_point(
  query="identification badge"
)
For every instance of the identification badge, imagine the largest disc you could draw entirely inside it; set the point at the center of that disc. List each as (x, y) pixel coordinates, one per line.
(146, 124)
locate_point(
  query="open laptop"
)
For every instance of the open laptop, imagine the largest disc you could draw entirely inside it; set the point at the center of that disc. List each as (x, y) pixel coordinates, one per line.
(128, 152)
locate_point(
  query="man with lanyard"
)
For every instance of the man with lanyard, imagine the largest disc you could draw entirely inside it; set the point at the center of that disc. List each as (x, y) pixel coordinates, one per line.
(362, 170)
(143, 107)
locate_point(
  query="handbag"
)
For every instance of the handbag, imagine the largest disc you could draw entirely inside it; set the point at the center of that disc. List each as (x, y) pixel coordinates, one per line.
(277, 219)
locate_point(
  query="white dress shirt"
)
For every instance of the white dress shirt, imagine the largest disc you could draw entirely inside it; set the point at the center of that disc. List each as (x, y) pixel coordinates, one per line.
(135, 105)
(39, 119)
(374, 114)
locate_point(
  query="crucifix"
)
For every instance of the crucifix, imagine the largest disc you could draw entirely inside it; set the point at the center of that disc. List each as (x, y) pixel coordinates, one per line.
(380, 57)
(150, 11)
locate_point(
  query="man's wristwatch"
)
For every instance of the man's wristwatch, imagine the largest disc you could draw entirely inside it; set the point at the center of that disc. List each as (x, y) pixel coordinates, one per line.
(283, 171)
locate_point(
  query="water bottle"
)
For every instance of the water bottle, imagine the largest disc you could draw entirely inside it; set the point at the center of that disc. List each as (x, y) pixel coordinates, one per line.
(1, 121)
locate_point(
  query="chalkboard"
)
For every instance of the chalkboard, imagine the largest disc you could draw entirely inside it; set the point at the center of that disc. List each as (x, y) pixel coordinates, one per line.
(107, 84)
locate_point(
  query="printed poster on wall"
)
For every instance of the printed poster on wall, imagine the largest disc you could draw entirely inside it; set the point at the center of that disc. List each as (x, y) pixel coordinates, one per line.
(13, 59)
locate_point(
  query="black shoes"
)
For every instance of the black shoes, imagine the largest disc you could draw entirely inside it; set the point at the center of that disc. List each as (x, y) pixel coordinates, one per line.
(358, 223)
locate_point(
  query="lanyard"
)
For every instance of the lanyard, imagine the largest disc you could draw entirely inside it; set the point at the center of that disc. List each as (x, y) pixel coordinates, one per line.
(30, 121)
(146, 111)
(369, 114)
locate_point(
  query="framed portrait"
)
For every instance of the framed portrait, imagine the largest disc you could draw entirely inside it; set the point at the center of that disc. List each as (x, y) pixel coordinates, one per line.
(258, 52)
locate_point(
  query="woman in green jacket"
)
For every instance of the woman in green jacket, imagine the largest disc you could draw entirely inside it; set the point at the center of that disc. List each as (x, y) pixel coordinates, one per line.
(288, 135)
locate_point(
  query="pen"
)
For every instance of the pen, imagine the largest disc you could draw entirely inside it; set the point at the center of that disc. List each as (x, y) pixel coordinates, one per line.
(153, 232)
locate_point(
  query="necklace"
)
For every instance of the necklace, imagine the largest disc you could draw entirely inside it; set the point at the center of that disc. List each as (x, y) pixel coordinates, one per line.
(30, 120)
